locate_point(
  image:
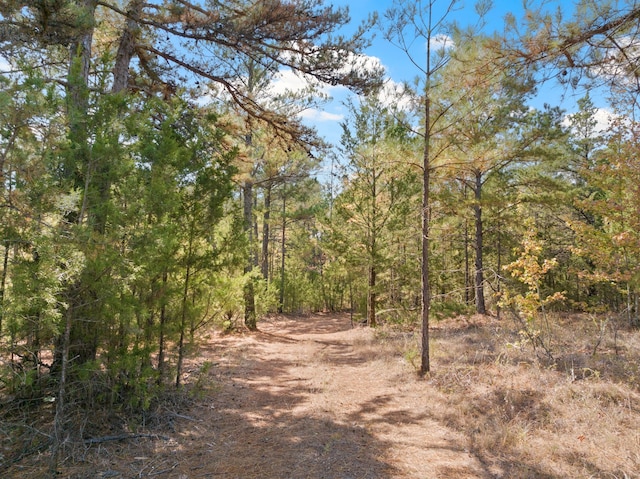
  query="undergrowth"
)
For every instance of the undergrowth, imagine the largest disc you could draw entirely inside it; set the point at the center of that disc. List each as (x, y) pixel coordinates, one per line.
(524, 415)
(100, 410)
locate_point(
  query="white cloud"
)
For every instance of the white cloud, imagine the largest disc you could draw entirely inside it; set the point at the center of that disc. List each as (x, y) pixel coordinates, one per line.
(392, 93)
(603, 117)
(313, 114)
(619, 62)
(5, 66)
(363, 62)
(395, 94)
(441, 42)
(288, 81)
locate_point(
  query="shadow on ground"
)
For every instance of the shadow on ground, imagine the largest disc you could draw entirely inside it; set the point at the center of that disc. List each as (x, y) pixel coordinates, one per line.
(253, 430)
(261, 410)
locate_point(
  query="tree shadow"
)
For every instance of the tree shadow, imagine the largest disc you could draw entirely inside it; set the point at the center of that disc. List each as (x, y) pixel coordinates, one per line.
(254, 428)
(316, 324)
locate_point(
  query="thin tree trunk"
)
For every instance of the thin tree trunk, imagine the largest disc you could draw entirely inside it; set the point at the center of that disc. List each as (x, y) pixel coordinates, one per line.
(80, 62)
(247, 214)
(3, 282)
(283, 252)
(265, 232)
(59, 423)
(254, 219)
(328, 300)
(351, 302)
(146, 361)
(83, 334)
(183, 318)
(467, 275)
(5, 263)
(479, 273)
(193, 322)
(371, 298)
(629, 317)
(425, 365)
(250, 320)
(163, 321)
(499, 267)
(248, 294)
(371, 293)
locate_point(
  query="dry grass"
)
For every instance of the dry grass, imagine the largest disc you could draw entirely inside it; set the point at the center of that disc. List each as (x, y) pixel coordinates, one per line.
(309, 397)
(575, 416)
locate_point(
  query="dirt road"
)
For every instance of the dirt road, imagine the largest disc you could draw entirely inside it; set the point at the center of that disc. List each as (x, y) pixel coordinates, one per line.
(310, 397)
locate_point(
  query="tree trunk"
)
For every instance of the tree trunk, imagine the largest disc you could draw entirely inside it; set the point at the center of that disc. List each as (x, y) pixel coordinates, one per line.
(499, 268)
(163, 322)
(479, 273)
(247, 215)
(5, 262)
(126, 47)
(425, 365)
(81, 339)
(283, 252)
(467, 275)
(59, 424)
(371, 293)
(264, 264)
(183, 318)
(350, 301)
(3, 282)
(250, 320)
(371, 298)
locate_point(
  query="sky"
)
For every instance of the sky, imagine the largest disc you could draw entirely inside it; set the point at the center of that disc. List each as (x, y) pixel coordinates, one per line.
(398, 66)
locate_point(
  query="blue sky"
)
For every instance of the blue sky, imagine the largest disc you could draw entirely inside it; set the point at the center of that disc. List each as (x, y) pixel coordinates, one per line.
(399, 68)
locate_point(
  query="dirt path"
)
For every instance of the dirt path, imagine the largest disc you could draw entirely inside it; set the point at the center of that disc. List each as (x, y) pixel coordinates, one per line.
(309, 397)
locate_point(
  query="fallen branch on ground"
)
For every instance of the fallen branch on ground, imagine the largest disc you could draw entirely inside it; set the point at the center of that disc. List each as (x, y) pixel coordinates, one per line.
(123, 437)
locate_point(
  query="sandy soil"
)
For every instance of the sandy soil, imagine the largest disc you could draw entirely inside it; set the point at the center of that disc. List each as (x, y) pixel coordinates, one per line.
(305, 397)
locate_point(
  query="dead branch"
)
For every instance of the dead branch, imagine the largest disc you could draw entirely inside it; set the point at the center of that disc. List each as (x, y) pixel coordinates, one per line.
(123, 437)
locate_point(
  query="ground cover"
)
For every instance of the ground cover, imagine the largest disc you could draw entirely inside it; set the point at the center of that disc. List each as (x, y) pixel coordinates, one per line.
(313, 397)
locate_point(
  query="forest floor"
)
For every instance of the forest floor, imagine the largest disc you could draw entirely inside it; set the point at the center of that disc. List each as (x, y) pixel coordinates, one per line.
(313, 397)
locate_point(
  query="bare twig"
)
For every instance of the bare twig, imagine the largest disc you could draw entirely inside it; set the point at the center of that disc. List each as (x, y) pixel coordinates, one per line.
(123, 437)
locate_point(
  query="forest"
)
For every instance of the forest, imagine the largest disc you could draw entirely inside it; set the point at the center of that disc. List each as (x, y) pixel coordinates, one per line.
(156, 187)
